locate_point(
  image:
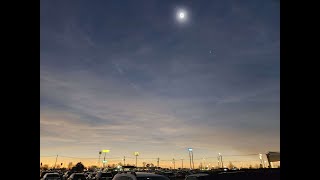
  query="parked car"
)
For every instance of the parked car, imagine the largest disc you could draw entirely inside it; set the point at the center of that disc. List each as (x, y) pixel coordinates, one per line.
(91, 176)
(139, 176)
(66, 175)
(51, 176)
(170, 175)
(150, 176)
(104, 176)
(77, 176)
(181, 175)
(42, 173)
(198, 176)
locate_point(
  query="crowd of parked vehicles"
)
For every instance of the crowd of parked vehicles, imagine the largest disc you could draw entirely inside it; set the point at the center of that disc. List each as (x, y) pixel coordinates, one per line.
(163, 174)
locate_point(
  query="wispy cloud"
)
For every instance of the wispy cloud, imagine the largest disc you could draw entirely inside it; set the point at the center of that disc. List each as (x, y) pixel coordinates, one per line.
(154, 85)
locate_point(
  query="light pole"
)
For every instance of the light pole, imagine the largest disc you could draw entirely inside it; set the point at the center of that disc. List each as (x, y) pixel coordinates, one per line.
(55, 162)
(261, 161)
(220, 157)
(99, 159)
(181, 163)
(157, 163)
(136, 154)
(105, 151)
(174, 164)
(190, 150)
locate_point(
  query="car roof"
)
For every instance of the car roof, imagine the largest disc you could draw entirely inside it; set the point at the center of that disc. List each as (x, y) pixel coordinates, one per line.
(78, 173)
(52, 173)
(142, 174)
(199, 174)
(124, 174)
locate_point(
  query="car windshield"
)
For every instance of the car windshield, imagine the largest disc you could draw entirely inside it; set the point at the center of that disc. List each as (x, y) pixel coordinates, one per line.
(43, 173)
(169, 174)
(53, 175)
(106, 175)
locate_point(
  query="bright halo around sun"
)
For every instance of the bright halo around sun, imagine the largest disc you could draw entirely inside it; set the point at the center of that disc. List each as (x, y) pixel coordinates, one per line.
(182, 16)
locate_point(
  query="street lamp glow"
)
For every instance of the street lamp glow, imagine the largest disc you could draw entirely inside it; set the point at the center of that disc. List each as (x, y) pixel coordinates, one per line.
(190, 149)
(136, 154)
(105, 150)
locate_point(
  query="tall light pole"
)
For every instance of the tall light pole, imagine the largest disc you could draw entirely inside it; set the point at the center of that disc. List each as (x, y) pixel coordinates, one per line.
(55, 162)
(174, 164)
(192, 159)
(181, 163)
(105, 151)
(124, 160)
(220, 156)
(99, 159)
(190, 150)
(136, 154)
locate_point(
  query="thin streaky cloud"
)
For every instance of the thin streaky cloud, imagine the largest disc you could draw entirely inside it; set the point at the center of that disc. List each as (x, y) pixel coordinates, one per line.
(126, 76)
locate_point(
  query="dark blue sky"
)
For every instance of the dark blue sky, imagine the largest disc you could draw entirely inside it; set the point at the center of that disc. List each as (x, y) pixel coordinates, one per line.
(130, 71)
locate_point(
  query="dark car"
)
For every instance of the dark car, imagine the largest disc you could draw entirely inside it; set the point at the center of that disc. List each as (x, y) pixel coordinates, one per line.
(139, 176)
(198, 176)
(42, 173)
(91, 176)
(104, 176)
(150, 176)
(181, 175)
(77, 176)
(51, 176)
(66, 175)
(170, 175)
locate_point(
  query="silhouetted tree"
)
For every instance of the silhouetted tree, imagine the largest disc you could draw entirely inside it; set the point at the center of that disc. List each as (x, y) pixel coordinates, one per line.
(79, 167)
(93, 167)
(45, 167)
